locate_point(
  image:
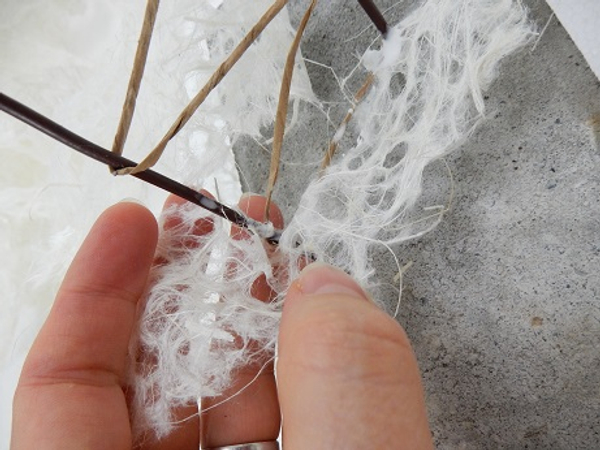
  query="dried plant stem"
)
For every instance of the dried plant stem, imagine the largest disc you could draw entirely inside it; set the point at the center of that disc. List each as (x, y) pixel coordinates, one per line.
(282, 107)
(342, 128)
(214, 80)
(135, 80)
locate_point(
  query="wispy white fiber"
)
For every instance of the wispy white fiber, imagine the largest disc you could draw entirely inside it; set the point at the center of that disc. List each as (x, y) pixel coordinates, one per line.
(200, 321)
(447, 52)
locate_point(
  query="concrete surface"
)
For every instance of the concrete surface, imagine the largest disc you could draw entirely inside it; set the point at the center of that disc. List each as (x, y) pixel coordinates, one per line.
(501, 300)
(581, 18)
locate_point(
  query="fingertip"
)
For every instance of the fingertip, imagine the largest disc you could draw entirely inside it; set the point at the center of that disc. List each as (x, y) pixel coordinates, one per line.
(174, 200)
(172, 220)
(254, 206)
(135, 207)
(322, 279)
(333, 343)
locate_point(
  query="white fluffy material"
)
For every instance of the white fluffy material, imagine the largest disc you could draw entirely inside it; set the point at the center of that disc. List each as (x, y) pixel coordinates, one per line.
(201, 323)
(447, 52)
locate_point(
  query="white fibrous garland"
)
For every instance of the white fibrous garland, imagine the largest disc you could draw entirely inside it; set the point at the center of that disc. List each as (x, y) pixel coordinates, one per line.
(199, 321)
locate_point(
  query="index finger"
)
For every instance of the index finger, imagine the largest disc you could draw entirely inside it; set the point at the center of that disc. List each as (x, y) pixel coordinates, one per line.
(70, 394)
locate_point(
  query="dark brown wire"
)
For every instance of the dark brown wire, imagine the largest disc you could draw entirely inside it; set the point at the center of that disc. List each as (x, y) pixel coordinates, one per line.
(76, 142)
(375, 15)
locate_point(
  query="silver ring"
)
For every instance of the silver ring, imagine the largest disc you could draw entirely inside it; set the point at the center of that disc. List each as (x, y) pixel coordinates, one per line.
(270, 445)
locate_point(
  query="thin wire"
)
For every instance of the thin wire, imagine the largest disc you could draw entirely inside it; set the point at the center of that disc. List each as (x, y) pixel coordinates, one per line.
(78, 143)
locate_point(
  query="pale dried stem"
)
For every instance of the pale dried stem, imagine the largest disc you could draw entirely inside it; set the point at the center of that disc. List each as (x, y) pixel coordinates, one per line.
(282, 107)
(333, 145)
(135, 81)
(214, 80)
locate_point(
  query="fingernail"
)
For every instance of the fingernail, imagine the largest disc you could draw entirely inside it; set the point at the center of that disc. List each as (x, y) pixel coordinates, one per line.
(132, 200)
(320, 278)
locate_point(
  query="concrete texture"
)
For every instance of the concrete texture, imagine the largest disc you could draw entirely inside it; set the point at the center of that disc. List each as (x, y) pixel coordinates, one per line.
(501, 300)
(581, 18)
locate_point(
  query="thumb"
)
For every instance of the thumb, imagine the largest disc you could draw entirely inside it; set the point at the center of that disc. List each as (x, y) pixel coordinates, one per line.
(347, 376)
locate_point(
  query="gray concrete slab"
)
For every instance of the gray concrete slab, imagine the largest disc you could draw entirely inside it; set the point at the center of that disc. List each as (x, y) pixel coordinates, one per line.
(501, 302)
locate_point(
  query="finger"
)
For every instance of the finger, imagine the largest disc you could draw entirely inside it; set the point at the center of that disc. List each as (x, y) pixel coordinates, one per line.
(346, 372)
(70, 391)
(249, 410)
(183, 236)
(173, 221)
(254, 207)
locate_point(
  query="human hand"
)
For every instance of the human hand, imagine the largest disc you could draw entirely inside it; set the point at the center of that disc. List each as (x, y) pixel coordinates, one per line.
(347, 377)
